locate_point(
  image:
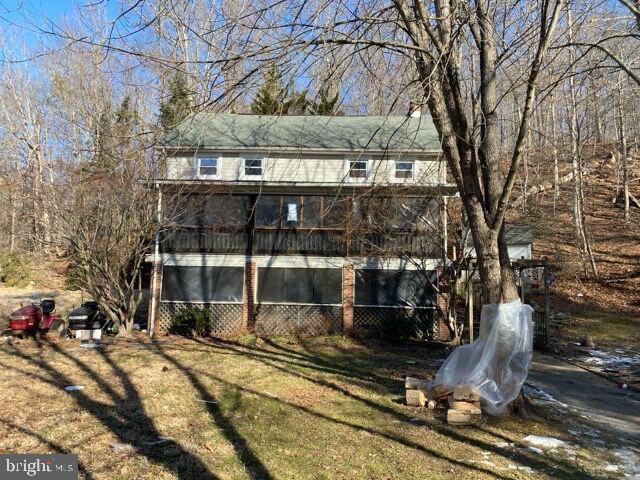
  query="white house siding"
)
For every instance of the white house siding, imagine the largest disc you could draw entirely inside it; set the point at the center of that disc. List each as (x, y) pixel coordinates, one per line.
(294, 261)
(313, 169)
(516, 251)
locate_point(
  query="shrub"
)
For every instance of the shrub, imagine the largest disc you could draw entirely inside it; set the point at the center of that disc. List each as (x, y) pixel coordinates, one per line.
(14, 269)
(192, 322)
(398, 329)
(72, 276)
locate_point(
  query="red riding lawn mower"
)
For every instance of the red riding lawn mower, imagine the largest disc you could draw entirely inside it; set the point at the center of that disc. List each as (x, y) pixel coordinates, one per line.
(34, 319)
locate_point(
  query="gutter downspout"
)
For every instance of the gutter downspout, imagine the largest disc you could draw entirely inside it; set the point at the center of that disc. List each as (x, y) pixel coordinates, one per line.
(156, 261)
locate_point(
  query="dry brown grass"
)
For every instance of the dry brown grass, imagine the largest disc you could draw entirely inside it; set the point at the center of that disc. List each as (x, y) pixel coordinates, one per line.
(326, 408)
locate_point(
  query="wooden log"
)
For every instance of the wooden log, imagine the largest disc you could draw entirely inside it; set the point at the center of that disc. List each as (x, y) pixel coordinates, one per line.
(416, 398)
(465, 406)
(412, 383)
(438, 393)
(465, 393)
(458, 417)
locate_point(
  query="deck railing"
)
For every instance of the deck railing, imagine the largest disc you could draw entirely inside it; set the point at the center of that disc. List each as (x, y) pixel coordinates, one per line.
(298, 241)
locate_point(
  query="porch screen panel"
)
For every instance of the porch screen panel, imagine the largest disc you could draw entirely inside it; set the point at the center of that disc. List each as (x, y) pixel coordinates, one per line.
(202, 284)
(397, 288)
(321, 286)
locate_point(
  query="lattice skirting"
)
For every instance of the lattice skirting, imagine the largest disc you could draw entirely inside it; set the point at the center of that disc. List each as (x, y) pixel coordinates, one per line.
(226, 318)
(370, 320)
(540, 334)
(297, 319)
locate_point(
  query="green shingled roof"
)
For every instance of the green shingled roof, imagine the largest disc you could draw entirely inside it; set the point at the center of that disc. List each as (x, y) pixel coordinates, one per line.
(236, 131)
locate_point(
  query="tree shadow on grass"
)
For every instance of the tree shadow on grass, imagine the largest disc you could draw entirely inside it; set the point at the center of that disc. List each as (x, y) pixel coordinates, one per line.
(124, 416)
(54, 447)
(254, 466)
(294, 363)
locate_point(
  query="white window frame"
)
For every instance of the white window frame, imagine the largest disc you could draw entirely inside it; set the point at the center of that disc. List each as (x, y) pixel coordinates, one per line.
(244, 167)
(394, 173)
(347, 168)
(208, 175)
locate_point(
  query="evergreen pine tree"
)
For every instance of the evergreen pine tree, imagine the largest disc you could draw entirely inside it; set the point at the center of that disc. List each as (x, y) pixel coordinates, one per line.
(103, 138)
(326, 104)
(271, 98)
(126, 120)
(179, 104)
(297, 103)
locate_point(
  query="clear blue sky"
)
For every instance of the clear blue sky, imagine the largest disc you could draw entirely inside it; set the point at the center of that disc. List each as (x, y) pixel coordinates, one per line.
(15, 10)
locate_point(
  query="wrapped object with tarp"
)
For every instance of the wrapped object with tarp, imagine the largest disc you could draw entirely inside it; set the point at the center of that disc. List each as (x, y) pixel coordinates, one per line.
(496, 365)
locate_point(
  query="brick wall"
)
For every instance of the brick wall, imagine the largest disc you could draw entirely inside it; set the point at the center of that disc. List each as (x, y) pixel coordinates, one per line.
(348, 290)
(248, 296)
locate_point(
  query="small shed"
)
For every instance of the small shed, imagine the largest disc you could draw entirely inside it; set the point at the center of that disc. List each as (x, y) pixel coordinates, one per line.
(533, 278)
(519, 240)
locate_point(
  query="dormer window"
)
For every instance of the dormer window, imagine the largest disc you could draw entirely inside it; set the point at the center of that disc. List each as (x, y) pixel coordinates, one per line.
(357, 169)
(404, 170)
(207, 166)
(253, 167)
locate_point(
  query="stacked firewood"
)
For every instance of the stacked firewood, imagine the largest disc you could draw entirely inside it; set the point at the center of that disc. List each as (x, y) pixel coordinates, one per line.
(462, 403)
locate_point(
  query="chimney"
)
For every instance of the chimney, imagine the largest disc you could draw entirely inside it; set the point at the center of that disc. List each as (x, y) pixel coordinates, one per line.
(415, 110)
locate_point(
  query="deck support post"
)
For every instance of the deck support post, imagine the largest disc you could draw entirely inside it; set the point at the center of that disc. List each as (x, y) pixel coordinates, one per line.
(348, 288)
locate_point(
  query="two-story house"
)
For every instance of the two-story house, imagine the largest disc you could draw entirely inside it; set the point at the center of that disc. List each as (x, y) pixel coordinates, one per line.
(299, 224)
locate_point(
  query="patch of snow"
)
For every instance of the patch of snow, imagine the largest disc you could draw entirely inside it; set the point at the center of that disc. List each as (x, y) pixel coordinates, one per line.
(504, 444)
(89, 345)
(537, 393)
(159, 441)
(609, 467)
(601, 358)
(546, 442)
(122, 446)
(73, 388)
(591, 432)
(535, 450)
(630, 461)
(511, 466)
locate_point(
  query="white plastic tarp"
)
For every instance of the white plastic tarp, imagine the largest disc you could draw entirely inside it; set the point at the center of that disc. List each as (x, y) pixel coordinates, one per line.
(496, 365)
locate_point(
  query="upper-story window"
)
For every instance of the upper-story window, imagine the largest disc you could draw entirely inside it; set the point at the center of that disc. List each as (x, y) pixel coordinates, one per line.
(358, 169)
(404, 170)
(253, 167)
(207, 166)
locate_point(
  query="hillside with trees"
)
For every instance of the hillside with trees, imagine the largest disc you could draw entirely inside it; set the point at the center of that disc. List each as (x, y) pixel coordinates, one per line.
(529, 124)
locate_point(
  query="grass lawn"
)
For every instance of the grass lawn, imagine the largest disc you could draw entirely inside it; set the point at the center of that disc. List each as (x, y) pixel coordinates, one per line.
(327, 408)
(606, 329)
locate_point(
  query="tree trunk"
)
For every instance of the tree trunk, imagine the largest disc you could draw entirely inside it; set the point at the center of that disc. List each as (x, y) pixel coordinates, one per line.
(556, 182)
(624, 155)
(494, 267)
(576, 162)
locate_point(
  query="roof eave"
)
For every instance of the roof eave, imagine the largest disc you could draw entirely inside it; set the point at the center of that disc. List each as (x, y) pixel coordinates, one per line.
(192, 148)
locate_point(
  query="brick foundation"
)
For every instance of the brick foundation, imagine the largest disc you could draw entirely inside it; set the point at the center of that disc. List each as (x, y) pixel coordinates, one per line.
(248, 296)
(348, 288)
